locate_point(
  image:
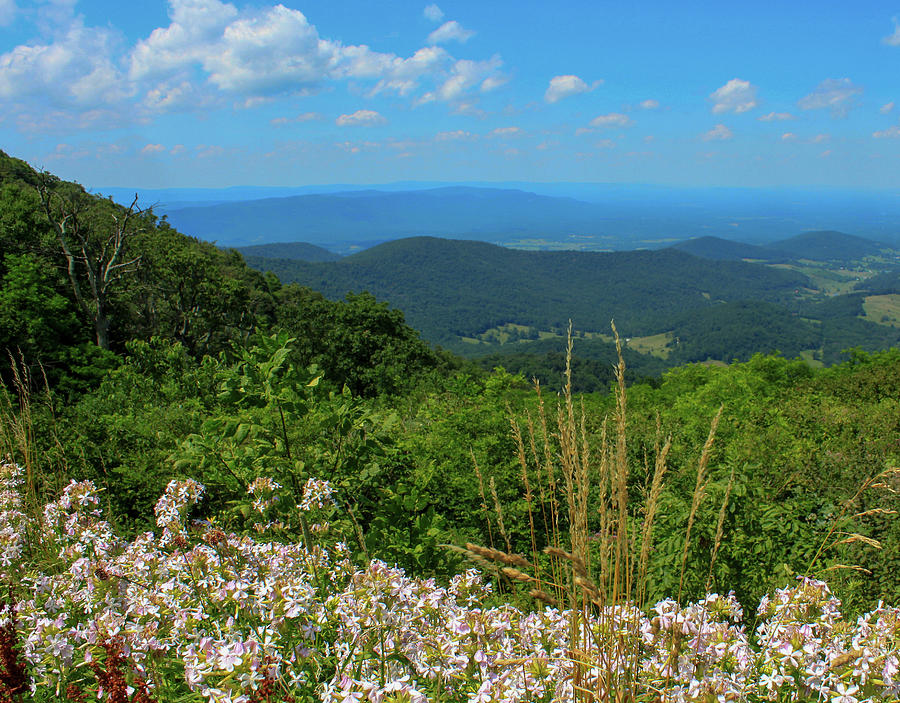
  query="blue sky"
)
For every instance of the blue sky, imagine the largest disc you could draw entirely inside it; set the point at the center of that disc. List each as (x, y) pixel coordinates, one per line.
(208, 93)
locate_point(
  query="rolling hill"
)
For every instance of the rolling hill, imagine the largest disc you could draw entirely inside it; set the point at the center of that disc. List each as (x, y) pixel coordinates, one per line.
(292, 251)
(452, 290)
(826, 245)
(723, 249)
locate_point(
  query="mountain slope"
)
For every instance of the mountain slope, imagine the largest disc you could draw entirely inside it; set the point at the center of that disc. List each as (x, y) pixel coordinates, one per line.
(827, 246)
(292, 251)
(723, 249)
(452, 289)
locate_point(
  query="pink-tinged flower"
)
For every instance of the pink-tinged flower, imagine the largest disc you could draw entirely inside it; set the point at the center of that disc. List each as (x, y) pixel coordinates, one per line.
(845, 693)
(230, 656)
(316, 493)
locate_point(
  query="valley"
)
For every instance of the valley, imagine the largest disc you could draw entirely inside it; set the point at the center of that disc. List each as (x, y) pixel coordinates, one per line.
(702, 300)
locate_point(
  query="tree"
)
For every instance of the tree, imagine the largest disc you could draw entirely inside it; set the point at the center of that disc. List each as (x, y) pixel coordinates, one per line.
(95, 237)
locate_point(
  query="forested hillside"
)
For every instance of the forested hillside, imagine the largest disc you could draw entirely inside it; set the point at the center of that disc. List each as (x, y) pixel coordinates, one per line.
(453, 288)
(479, 299)
(82, 278)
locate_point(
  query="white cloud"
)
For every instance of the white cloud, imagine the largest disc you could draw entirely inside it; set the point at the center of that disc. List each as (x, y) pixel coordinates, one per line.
(177, 149)
(75, 71)
(613, 119)
(402, 76)
(776, 117)
(466, 74)
(456, 135)
(7, 12)
(605, 144)
(819, 138)
(469, 107)
(450, 31)
(563, 86)
(893, 39)
(886, 108)
(153, 149)
(892, 132)
(718, 133)
(168, 97)
(356, 147)
(196, 27)
(506, 132)
(360, 118)
(433, 12)
(735, 96)
(835, 94)
(649, 104)
(211, 55)
(788, 137)
(209, 151)
(492, 83)
(303, 117)
(276, 51)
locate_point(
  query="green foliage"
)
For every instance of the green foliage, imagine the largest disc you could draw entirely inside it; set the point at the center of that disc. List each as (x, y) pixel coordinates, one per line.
(455, 288)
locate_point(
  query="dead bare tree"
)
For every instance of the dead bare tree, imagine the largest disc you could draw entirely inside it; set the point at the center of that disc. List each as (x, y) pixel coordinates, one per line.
(95, 246)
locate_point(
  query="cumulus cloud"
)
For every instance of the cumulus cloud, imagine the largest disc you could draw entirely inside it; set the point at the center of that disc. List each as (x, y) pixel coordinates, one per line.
(735, 96)
(74, 71)
(649, 104)
(450, 31)
(894, 38)
(492, 83)
(360, 118)
(433, 12)
(173, 96)
(506, 131)
(302, 117)
(836, 94)
(718, 133)
(455, 135)
(892, 132)
(788, 137)
(886, 108)
(213, 54)
(564, 86)
(153, 149)
(470, 108)
(276, 51)
(613, 119)
(776, 117)
(196, 26)
(205, 151)
(462, 77)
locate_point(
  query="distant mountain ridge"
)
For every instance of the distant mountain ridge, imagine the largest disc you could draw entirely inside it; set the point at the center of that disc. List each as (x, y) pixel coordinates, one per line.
(621, 215)
(825, 245)
(722, 249)
(291, 251)
(338, 220)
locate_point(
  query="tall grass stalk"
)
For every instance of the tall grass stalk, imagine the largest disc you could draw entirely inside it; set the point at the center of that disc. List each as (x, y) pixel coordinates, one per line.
(598, 547)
